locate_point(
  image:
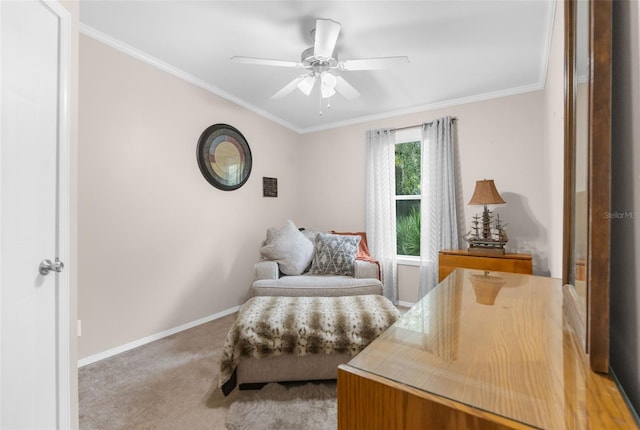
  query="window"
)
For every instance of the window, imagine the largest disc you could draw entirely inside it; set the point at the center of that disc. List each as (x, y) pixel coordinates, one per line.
(408, 176)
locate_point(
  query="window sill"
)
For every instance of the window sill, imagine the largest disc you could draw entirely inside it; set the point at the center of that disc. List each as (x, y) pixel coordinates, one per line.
(406, 260)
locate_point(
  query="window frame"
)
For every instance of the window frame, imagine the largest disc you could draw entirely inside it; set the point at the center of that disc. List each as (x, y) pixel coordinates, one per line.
(407, 135)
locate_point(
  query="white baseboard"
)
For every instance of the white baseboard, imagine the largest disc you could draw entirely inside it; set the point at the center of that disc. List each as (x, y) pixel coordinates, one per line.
(136, 343)
(405, 304)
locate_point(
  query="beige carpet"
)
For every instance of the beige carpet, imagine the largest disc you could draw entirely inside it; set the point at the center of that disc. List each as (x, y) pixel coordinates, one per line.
(171, 383)
(167, 384)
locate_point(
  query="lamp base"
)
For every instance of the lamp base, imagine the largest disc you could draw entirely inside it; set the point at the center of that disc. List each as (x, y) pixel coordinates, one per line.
(486, 235)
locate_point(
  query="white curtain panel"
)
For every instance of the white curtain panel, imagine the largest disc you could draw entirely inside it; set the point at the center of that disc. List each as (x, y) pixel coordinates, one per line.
(380, 205)
(439, 219)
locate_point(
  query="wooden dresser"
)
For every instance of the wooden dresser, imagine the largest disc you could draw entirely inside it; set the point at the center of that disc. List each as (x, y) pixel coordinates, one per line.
(480, 351)
(513, 263)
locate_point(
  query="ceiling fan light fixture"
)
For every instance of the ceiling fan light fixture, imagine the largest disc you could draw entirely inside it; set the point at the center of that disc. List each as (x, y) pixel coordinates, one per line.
(328, 79)
(328, 84)
(327, 91)
(306, 85)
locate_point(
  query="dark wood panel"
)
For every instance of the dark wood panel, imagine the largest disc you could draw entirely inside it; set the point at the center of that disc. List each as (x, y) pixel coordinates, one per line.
(569, 140)
(597, 273)
(598, 244)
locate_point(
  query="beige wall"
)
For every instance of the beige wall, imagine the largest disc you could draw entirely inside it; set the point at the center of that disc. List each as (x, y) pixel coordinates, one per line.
(408, 283)
(158, 246)
(554, 142)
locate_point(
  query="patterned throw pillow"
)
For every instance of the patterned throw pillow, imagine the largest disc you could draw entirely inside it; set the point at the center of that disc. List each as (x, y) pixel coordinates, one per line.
(334, 254)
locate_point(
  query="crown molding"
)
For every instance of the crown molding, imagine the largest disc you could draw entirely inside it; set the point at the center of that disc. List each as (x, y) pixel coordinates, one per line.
(429, 107)
(144, 57)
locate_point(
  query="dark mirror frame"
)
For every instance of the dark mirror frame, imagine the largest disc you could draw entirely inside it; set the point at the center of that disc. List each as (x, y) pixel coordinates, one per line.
(595, 321)
(203, 155)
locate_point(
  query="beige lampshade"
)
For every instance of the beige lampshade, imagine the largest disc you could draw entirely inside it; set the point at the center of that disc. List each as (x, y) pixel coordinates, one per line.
(486, 194)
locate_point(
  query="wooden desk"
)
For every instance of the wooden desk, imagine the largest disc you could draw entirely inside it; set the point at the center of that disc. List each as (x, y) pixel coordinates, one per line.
(452, 362)
(449, 259)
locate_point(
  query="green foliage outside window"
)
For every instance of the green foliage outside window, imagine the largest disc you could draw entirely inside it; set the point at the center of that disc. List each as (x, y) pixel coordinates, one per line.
(408, 169)
(408, 210)
(408, 233)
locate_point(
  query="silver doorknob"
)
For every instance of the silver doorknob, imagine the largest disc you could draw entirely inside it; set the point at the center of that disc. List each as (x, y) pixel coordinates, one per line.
(47, 266)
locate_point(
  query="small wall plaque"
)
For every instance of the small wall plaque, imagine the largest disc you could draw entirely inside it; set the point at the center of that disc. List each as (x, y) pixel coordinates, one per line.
(269, 187)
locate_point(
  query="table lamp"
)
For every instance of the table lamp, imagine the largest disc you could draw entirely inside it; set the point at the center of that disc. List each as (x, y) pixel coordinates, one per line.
(486, 235)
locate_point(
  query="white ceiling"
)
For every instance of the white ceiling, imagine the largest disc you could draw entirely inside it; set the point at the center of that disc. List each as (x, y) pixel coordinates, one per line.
(458, 50)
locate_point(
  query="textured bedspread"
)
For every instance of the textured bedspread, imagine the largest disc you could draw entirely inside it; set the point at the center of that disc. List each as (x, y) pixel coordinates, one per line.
(272, 326)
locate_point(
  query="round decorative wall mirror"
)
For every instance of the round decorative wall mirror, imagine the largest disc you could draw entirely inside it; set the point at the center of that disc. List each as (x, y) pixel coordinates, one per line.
(224, 157)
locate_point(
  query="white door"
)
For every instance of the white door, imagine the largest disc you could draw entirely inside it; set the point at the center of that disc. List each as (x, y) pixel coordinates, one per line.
(34, 306)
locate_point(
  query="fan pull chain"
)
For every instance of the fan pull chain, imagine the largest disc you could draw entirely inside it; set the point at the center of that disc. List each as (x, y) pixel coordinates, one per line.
(320, 104)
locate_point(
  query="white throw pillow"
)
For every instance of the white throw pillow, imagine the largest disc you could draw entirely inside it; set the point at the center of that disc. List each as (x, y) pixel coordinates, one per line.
(289, 248)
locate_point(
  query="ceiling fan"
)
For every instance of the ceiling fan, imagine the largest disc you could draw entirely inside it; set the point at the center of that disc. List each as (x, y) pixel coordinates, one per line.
(322, 64)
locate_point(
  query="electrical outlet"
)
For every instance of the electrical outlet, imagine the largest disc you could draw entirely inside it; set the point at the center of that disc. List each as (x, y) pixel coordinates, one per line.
(79, 328)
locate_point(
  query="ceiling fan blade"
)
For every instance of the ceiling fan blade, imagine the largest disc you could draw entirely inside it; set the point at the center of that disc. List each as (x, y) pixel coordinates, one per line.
(374, 63)
(265, 62)
(345, 89)
(290, 87)
(326, 36)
